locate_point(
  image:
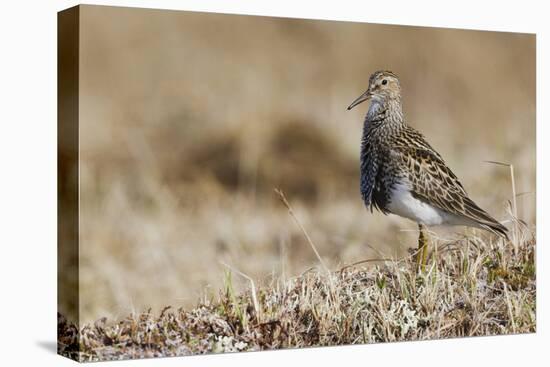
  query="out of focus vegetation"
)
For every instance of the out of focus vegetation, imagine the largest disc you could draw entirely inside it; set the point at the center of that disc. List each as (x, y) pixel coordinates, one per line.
(189, 121)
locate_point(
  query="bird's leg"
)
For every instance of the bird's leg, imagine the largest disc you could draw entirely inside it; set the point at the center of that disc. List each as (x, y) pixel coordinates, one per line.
(422, 254)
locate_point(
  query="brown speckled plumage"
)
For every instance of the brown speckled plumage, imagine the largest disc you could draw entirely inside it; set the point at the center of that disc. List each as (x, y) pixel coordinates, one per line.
(396, 160)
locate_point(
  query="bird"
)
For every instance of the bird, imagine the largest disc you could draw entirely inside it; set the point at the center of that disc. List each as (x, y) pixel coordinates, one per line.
(401, 174)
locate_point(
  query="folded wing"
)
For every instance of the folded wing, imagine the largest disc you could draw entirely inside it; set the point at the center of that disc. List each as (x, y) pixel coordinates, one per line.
(433, 182)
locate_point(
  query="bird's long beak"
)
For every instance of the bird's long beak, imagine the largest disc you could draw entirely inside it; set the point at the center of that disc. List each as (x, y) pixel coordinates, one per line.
(362, 98)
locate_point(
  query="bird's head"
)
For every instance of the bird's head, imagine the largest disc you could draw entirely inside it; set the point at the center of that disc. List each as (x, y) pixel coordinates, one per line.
(383, 86)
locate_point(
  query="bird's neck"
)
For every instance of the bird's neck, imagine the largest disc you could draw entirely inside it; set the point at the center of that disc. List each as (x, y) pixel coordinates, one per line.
(385, 113)
(384, 119)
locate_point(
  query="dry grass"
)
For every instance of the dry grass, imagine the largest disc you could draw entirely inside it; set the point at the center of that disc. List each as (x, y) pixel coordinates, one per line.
(473, 286)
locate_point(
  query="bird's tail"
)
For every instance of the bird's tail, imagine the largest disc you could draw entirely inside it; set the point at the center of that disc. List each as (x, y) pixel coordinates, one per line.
(484, 220)
(497, 229)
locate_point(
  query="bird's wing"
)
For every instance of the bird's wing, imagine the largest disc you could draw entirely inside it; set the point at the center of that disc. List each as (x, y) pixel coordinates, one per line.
(433, 182)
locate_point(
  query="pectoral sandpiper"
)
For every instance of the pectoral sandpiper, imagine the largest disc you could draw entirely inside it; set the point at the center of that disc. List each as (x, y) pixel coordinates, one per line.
(402, 174)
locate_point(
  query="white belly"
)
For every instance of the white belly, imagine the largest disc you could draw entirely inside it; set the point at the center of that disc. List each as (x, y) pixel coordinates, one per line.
(402, 203)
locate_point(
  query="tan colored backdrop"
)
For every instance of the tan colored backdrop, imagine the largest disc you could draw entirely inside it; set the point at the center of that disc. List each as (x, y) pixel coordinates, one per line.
(189, 120)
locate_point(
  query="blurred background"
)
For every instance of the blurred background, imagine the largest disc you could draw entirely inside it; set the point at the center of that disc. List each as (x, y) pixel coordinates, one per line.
(188, 121)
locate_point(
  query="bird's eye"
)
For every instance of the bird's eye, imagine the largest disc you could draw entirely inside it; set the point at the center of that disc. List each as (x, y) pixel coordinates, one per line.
(384, 82)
